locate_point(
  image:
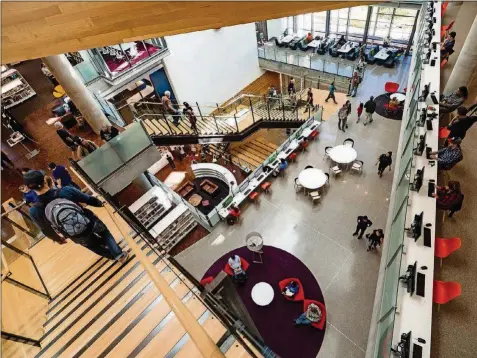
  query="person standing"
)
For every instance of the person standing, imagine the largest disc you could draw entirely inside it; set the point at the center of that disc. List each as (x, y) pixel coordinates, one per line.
(363, 224)
(291, 87)
(360, 111)
(170, 159)
(46, 71)
(309, 100)
(354, 84)
(375, 239)
(60, 216)
(108, 132)
(342, 117)
(189, 113)
(384, 161)
(67, 138)
(331, 93)
(370, 108)
(169, 109)
(61, 176)
(84, 147)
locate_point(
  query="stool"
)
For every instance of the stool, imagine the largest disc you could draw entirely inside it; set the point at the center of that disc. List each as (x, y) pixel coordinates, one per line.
(292, 157)
(266, 186)
(314, 135)
(445, 247)
(254, 196)
(444, 292)
(304, 145)
(205, 203)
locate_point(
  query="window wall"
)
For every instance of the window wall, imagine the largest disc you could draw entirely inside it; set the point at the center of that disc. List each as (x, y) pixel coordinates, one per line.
(396, 23)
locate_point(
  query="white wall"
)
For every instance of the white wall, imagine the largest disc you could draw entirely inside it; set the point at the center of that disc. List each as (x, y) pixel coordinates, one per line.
(275, 28)
(212, 66)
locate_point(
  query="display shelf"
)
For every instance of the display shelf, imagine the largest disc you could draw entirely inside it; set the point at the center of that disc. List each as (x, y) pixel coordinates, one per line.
(15, 89)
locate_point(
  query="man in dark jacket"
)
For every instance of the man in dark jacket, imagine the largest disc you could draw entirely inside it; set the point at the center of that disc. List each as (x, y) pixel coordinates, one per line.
(370, 108)
(384, 161)
(363, 224)
(96, 237)
(461, 124)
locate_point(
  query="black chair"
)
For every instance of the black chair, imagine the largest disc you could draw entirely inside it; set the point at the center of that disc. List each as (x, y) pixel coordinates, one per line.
(348, 140)
(333, 51)
(353, 54)
(370, 59)
(279, 43)
(327, 178)
(327, 152)
(294, 43)
(302, 46)
(309, 166)
(391, 61)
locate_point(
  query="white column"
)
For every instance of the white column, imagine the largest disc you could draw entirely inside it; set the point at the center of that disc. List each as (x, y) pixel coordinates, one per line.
(76, 90)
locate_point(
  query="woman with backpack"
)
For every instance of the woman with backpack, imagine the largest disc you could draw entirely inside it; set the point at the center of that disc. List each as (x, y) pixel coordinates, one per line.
(59, 216)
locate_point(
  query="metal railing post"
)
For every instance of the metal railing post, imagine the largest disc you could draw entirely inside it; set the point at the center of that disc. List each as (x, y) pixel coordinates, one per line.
(251, 109)
(218, 108)
(165, 118)
(20, 339)
(200, 113)
(283, 108)
(235, 117)
(267, 103)
(216, 125)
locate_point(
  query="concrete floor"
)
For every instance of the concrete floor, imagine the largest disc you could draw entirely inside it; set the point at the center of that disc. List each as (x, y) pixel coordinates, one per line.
(320, 235)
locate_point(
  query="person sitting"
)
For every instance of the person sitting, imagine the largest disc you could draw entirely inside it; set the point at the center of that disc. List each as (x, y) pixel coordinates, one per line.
(375, 239)
(312, 315)
(449, 156)
(447, 47)
(393, 103)
(309, 38)
(449, 103)
(341, 41)
(235, 264)
(233, 216)
(449, 197)
(460, 124)
(291, 289)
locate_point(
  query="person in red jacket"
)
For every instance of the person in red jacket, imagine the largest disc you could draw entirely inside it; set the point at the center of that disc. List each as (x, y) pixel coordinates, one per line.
(360, 111)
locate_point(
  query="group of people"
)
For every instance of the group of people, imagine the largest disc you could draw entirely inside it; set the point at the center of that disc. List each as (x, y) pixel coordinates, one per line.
(375, 239)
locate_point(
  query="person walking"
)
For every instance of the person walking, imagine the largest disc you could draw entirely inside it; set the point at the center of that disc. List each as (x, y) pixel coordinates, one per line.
(354, 84)
(291, 87)
(360, 111)
(169, 109)
(309, 100)
(370, 108)
(384, 161)
(67, 138)
(61, 176)
(170, 159)
(331, 93)
(375, 239)
(363, 224)
(189, 113)
(84, 147)
(342, 117)
(60, 215)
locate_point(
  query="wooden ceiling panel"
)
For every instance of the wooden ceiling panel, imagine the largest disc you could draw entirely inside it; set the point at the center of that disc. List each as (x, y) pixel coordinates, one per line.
(36, 29)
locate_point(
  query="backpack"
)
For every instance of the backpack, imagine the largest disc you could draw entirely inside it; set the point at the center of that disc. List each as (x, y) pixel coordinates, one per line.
(67, 218)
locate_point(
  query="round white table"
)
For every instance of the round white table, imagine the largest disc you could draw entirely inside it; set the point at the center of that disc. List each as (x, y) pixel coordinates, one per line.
(312, 178)
(262, 294)
(400, 96)
(343, 154)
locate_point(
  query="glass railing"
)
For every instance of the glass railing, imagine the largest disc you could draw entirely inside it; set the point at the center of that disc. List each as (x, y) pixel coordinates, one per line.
(310, 61)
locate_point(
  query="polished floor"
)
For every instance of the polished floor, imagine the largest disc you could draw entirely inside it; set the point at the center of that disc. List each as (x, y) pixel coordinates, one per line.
(320, 235)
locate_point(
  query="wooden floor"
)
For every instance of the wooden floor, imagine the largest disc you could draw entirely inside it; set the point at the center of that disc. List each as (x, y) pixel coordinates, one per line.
(253, 152)
(101, 308)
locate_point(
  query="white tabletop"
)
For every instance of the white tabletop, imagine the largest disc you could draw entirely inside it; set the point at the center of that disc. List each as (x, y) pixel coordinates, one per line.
(262, 294)
(312, 178)
(287, 39)
(400, 96)
(306, 132)
(314, 43)
(343, 154)
(382, 54)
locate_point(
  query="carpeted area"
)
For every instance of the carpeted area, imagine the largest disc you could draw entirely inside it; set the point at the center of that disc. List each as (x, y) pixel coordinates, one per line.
(214, 200)
(275, 321)
(383, 99)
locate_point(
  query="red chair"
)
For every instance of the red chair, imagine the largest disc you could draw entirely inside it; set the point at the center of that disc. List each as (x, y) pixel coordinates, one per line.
(445, 247)
(292, 157)
(444, 62)
(444, 133)
(444, 292)
(321, 323)
(390, 110)
(391, 87)
(299, 296)
(228, 270)
(444, 8)
(254, 196)
(314, 135)
(445, 28)
(266, 186)
(303, 146)
(207, 280)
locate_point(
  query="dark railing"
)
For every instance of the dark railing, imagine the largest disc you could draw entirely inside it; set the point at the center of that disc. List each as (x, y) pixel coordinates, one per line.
(20, 339)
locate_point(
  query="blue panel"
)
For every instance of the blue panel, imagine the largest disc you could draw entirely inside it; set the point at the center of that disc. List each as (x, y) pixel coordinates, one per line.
(161, 83)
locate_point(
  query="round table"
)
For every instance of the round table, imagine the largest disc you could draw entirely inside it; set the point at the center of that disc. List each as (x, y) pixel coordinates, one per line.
(400, 96)
(262, 294)
(312, 178)
(343, 154)
(195, 200)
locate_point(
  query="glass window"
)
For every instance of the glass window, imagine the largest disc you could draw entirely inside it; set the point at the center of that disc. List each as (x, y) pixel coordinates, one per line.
(357, 20)
(287, 24)
(319, 23)
(303, 24)
(403, 22)
(339, 21)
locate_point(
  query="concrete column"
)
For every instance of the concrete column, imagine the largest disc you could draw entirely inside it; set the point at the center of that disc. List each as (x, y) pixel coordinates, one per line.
(76, 90)
(466, 63)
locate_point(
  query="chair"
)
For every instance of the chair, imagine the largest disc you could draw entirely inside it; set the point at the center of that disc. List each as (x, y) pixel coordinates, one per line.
(304, 145)
(446, 28)
(278, 43)
(254, 196)
(327, 152)
(444, 133)
(309, 166)
(302, 46)
(228, 270)
(292, 157)
(204, 282)
(349, 142)
(327, 179)
(315, 196)
(336, 170)
(357, 166)
(445, 247)
(444, 62)
(266, 186)
(391, 87)
(314, 135)
(298, 186)
(321, 323)
(299, 296)
(444, 292)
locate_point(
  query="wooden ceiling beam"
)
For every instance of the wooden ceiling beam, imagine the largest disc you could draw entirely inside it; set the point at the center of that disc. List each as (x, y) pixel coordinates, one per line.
(37, 29)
